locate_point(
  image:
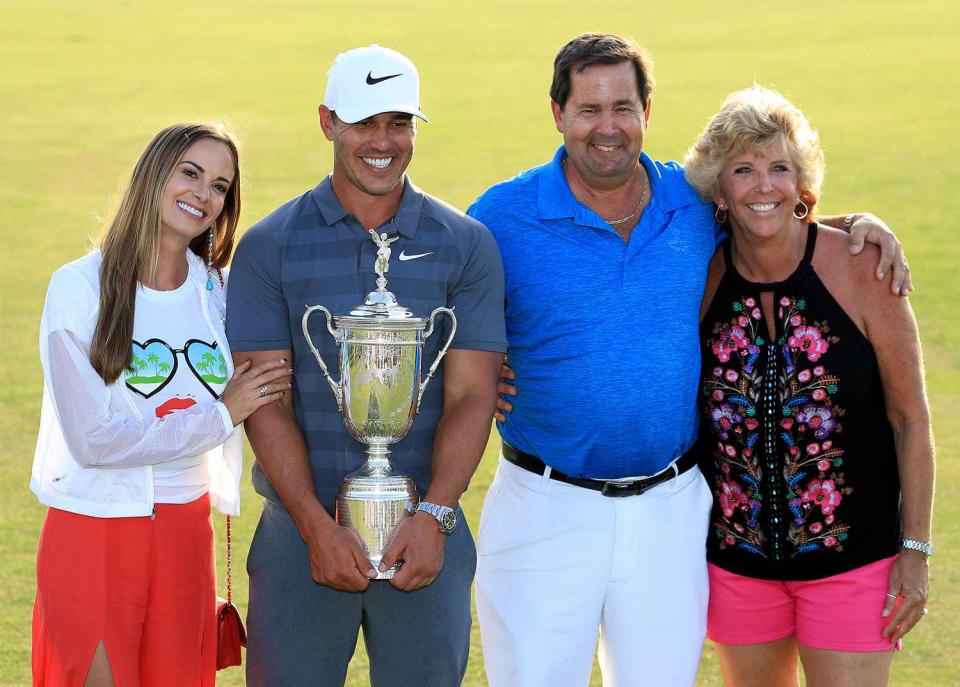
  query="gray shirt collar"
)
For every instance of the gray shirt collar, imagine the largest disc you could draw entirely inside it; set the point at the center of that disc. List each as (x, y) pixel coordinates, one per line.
(404, 222)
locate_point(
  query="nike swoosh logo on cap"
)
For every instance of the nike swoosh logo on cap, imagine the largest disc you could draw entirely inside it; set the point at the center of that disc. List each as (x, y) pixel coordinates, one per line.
(404, 256)
(371, 79)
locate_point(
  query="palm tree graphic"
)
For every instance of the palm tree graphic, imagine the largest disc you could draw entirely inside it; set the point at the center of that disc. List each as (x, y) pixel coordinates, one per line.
(207, 362)
(204, 363)
(138, 364)
(154, 360)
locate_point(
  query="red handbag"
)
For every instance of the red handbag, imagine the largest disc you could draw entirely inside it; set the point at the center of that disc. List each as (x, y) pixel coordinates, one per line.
(230, 632)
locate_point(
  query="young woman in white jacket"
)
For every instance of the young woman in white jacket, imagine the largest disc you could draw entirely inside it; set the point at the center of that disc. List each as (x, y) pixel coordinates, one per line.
(138, 425)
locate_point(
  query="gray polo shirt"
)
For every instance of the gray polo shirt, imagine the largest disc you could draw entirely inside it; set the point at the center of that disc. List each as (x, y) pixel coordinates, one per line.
(310, 251)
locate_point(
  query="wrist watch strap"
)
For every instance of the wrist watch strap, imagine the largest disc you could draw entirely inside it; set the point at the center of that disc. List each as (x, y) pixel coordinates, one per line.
(445, 515)
(924, 547)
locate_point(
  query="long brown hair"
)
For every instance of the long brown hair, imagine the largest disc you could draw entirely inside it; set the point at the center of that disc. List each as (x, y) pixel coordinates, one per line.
(130, 245)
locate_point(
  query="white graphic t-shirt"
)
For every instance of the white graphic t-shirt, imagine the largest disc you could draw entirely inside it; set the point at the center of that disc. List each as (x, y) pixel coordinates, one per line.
(175, 364)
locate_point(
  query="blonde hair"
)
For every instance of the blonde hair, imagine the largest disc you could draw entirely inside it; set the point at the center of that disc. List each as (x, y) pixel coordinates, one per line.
(130, 244)
(753, 119)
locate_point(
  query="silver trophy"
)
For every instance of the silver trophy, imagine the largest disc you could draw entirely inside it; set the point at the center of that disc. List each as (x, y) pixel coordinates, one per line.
(380, 345)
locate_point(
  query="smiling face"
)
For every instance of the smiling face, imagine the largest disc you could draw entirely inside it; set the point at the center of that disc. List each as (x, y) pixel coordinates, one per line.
(603, 123)
(195, 193)
(371, 155)
(758, 188)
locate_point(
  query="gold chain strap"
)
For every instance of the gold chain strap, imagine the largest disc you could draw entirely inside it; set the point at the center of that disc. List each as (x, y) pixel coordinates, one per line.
(229, 581)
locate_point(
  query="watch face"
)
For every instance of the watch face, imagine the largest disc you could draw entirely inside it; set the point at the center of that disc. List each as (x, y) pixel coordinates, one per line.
(448, 521)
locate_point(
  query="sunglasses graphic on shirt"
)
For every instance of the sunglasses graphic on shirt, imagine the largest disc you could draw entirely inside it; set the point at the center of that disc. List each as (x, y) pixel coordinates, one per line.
(153, 364)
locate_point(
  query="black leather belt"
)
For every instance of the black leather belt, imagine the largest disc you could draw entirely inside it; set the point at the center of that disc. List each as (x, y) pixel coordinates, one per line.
(612, 488)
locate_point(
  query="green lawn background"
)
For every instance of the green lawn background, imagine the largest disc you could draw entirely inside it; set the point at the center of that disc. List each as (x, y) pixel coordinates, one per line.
(83, 86)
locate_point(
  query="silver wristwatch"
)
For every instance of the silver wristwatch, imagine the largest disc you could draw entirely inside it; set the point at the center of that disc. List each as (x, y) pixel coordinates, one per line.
(924, 547)
(445, 515)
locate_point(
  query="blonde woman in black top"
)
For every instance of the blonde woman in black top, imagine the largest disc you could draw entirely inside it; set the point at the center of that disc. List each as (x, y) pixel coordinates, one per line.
(816, 436)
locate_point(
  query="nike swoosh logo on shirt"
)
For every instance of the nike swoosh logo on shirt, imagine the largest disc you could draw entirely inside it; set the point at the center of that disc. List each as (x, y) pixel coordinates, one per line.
(404, 256)
(371, 79)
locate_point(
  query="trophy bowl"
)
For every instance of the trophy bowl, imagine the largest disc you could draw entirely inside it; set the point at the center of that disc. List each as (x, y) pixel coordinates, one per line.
(380, 369)
(380, 346)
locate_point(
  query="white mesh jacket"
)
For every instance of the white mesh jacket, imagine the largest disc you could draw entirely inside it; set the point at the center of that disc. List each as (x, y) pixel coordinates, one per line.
(95, 450)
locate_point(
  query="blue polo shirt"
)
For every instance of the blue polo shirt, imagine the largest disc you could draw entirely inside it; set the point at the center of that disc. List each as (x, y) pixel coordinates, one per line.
(310, 251)
(602, 334)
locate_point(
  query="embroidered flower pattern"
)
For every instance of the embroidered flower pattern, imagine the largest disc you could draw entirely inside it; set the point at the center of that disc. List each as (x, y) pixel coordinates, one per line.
(731, 497)
(822, 492)
(729, 342)
(810, 341)
(800, 421)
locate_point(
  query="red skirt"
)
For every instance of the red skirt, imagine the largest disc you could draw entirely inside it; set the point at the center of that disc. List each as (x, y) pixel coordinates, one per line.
(145, 587)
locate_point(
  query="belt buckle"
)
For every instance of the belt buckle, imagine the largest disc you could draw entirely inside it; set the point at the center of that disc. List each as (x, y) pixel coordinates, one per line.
(621, 489)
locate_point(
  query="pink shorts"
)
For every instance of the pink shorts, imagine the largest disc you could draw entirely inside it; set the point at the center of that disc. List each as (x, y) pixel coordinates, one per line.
(837, 613)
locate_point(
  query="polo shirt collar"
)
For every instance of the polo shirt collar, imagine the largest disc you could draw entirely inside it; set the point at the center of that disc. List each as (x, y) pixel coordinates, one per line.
(671, 192)
(405, 220)
(556, 200)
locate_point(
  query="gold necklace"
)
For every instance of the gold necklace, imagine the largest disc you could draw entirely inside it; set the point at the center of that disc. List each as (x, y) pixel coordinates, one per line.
(643, 197)
(615, 222)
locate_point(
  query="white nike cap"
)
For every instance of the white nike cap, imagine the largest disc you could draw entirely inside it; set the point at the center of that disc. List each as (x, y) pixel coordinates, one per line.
(364, 82)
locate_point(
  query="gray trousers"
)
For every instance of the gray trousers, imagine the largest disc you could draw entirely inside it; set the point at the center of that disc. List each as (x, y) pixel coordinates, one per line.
(303, 633)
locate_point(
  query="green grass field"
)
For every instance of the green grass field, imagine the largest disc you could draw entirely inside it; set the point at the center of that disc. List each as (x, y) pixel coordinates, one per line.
(84, 85)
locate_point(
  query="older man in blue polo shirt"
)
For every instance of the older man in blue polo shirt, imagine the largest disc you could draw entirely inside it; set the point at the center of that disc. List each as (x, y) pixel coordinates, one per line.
(597, 516)
(310, 583)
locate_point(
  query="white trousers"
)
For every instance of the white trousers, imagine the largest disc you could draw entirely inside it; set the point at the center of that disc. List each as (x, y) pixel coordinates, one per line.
(557, 563)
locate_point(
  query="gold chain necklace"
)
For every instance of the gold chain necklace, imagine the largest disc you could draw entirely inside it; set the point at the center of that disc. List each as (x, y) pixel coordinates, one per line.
(622, 220)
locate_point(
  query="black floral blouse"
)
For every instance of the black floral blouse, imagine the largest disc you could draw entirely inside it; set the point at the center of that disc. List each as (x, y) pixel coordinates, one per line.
(795, 442)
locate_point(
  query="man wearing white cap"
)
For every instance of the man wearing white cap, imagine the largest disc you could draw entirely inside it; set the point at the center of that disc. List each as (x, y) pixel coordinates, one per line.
(310, 583)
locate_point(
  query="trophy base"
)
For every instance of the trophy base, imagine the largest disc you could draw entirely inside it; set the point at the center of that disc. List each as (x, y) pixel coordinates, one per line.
(386, 574)
(373, 506)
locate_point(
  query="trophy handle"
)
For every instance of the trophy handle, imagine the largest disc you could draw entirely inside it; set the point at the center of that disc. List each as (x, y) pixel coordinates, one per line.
(337, 389)
(443, 351)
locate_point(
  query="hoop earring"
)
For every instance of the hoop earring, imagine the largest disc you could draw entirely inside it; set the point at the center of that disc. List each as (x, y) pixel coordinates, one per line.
(721, 219)
(210, 260)
(806, 209)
